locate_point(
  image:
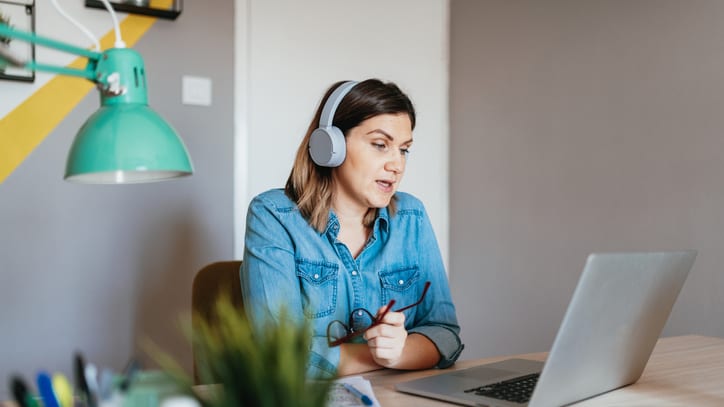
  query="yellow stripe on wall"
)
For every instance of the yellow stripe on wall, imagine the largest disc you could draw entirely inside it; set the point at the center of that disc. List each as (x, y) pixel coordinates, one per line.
(26, 126)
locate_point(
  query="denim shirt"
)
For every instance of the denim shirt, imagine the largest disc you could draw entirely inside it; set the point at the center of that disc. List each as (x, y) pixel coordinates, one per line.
(288, 264)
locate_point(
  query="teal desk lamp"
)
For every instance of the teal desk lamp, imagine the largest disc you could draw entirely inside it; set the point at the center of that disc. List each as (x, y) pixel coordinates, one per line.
(124, 141)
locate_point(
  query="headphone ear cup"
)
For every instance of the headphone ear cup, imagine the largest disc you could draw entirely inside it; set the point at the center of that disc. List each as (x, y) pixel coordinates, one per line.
(327, 147)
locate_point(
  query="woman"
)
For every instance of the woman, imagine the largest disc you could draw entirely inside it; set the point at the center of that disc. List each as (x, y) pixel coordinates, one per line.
(342, 248)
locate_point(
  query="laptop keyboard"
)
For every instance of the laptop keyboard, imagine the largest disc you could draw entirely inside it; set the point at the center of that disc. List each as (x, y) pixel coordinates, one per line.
(517, 390)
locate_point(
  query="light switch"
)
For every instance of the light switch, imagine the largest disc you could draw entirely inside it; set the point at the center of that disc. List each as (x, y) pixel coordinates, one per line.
(196, 90)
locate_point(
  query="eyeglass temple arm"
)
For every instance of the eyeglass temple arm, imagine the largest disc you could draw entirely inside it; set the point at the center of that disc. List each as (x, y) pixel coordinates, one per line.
(416, 303)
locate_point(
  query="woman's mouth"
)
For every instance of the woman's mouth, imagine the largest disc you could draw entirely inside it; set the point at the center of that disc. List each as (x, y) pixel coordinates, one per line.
(386, 186)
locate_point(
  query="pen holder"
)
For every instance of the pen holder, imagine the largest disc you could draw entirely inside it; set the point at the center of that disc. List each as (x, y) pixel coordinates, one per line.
(149, 388)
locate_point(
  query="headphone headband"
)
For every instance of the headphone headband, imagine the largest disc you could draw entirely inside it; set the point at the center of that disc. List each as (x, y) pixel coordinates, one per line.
(333, 102)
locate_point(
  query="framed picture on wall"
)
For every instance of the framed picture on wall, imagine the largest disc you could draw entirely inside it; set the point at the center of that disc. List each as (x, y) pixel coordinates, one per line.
(19, 14)
(168, 9)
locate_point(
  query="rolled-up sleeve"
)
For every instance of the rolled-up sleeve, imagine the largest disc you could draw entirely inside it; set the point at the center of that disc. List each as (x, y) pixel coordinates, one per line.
(323, 360)
(445, 339)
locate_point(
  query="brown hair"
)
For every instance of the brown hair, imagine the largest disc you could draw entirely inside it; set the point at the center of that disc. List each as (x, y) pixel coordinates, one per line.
(311, 185)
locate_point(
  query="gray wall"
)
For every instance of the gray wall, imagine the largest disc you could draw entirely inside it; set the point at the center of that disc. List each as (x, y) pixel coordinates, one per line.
(94, 268)
(581, 126)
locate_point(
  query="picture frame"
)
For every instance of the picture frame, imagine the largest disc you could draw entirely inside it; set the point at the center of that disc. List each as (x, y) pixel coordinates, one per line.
(145, 7)
(21, 15)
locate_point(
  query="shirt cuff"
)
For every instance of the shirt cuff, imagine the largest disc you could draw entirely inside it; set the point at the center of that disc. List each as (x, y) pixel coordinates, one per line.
(323, 359)
(447, 343)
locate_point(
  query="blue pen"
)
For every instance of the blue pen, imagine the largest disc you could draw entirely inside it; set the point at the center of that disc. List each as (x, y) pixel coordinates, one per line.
(365, 400)
(45, 388)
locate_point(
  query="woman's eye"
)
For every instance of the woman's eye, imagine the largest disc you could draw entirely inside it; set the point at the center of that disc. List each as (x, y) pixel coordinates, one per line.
(379, 146)
(405, 151)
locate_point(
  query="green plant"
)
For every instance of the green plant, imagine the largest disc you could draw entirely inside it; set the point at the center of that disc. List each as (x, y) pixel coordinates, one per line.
(260, 368)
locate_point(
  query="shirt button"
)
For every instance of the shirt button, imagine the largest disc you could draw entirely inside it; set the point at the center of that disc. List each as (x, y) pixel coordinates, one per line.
(354, 272)
(316, 276)
(401, 282)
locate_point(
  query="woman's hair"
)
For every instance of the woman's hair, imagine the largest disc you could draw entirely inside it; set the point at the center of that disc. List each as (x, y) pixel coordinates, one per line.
(310, 185)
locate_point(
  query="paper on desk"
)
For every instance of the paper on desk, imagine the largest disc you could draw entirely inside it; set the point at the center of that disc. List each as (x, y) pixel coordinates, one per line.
(340, 397)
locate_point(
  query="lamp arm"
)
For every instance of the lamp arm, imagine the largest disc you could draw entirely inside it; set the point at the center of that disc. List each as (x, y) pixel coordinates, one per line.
(88, 73)
(93, 57)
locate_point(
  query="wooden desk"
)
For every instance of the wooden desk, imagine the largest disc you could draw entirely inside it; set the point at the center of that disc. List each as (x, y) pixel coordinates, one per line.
(683, 371)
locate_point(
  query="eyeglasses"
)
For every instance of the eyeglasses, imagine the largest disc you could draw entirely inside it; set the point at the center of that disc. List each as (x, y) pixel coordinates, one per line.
(360, 320)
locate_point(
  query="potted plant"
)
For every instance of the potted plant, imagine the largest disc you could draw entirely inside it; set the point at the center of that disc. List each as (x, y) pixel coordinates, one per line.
(253, 368)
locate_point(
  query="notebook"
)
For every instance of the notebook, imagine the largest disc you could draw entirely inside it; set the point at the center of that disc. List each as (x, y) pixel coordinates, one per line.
(609, 330)
(339, 396)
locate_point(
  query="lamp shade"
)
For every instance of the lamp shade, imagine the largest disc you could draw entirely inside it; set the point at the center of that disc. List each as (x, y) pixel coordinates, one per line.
(126, 143)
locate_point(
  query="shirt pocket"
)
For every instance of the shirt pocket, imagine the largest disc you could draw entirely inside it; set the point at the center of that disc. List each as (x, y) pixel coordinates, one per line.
(318, 281)
(401, 283)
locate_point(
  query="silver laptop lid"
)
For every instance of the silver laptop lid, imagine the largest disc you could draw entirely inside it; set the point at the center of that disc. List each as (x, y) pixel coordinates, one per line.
(613, 321)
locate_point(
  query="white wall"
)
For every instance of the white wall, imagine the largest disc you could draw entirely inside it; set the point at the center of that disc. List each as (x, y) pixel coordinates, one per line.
(289, 52)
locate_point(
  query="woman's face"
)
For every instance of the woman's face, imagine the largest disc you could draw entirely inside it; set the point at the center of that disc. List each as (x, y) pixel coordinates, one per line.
(372, 170)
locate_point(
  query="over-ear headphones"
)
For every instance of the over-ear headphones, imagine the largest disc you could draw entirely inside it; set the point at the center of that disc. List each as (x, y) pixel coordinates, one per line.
(326, 144)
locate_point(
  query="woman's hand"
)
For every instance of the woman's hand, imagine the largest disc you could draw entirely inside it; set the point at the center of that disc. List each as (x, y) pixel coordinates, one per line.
(388, 345)
(386, 340)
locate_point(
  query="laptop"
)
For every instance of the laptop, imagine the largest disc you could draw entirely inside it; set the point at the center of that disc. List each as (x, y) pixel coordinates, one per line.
(613, 321)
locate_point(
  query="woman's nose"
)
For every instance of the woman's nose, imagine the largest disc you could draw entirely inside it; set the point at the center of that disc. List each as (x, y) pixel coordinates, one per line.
(396, 163)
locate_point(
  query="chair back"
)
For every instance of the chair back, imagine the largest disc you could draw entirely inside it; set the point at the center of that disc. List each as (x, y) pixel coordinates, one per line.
(209, 284)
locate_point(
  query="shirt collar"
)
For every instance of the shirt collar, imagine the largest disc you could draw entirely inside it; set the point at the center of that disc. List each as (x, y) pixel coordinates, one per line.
(332, 225)
(382, 222)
